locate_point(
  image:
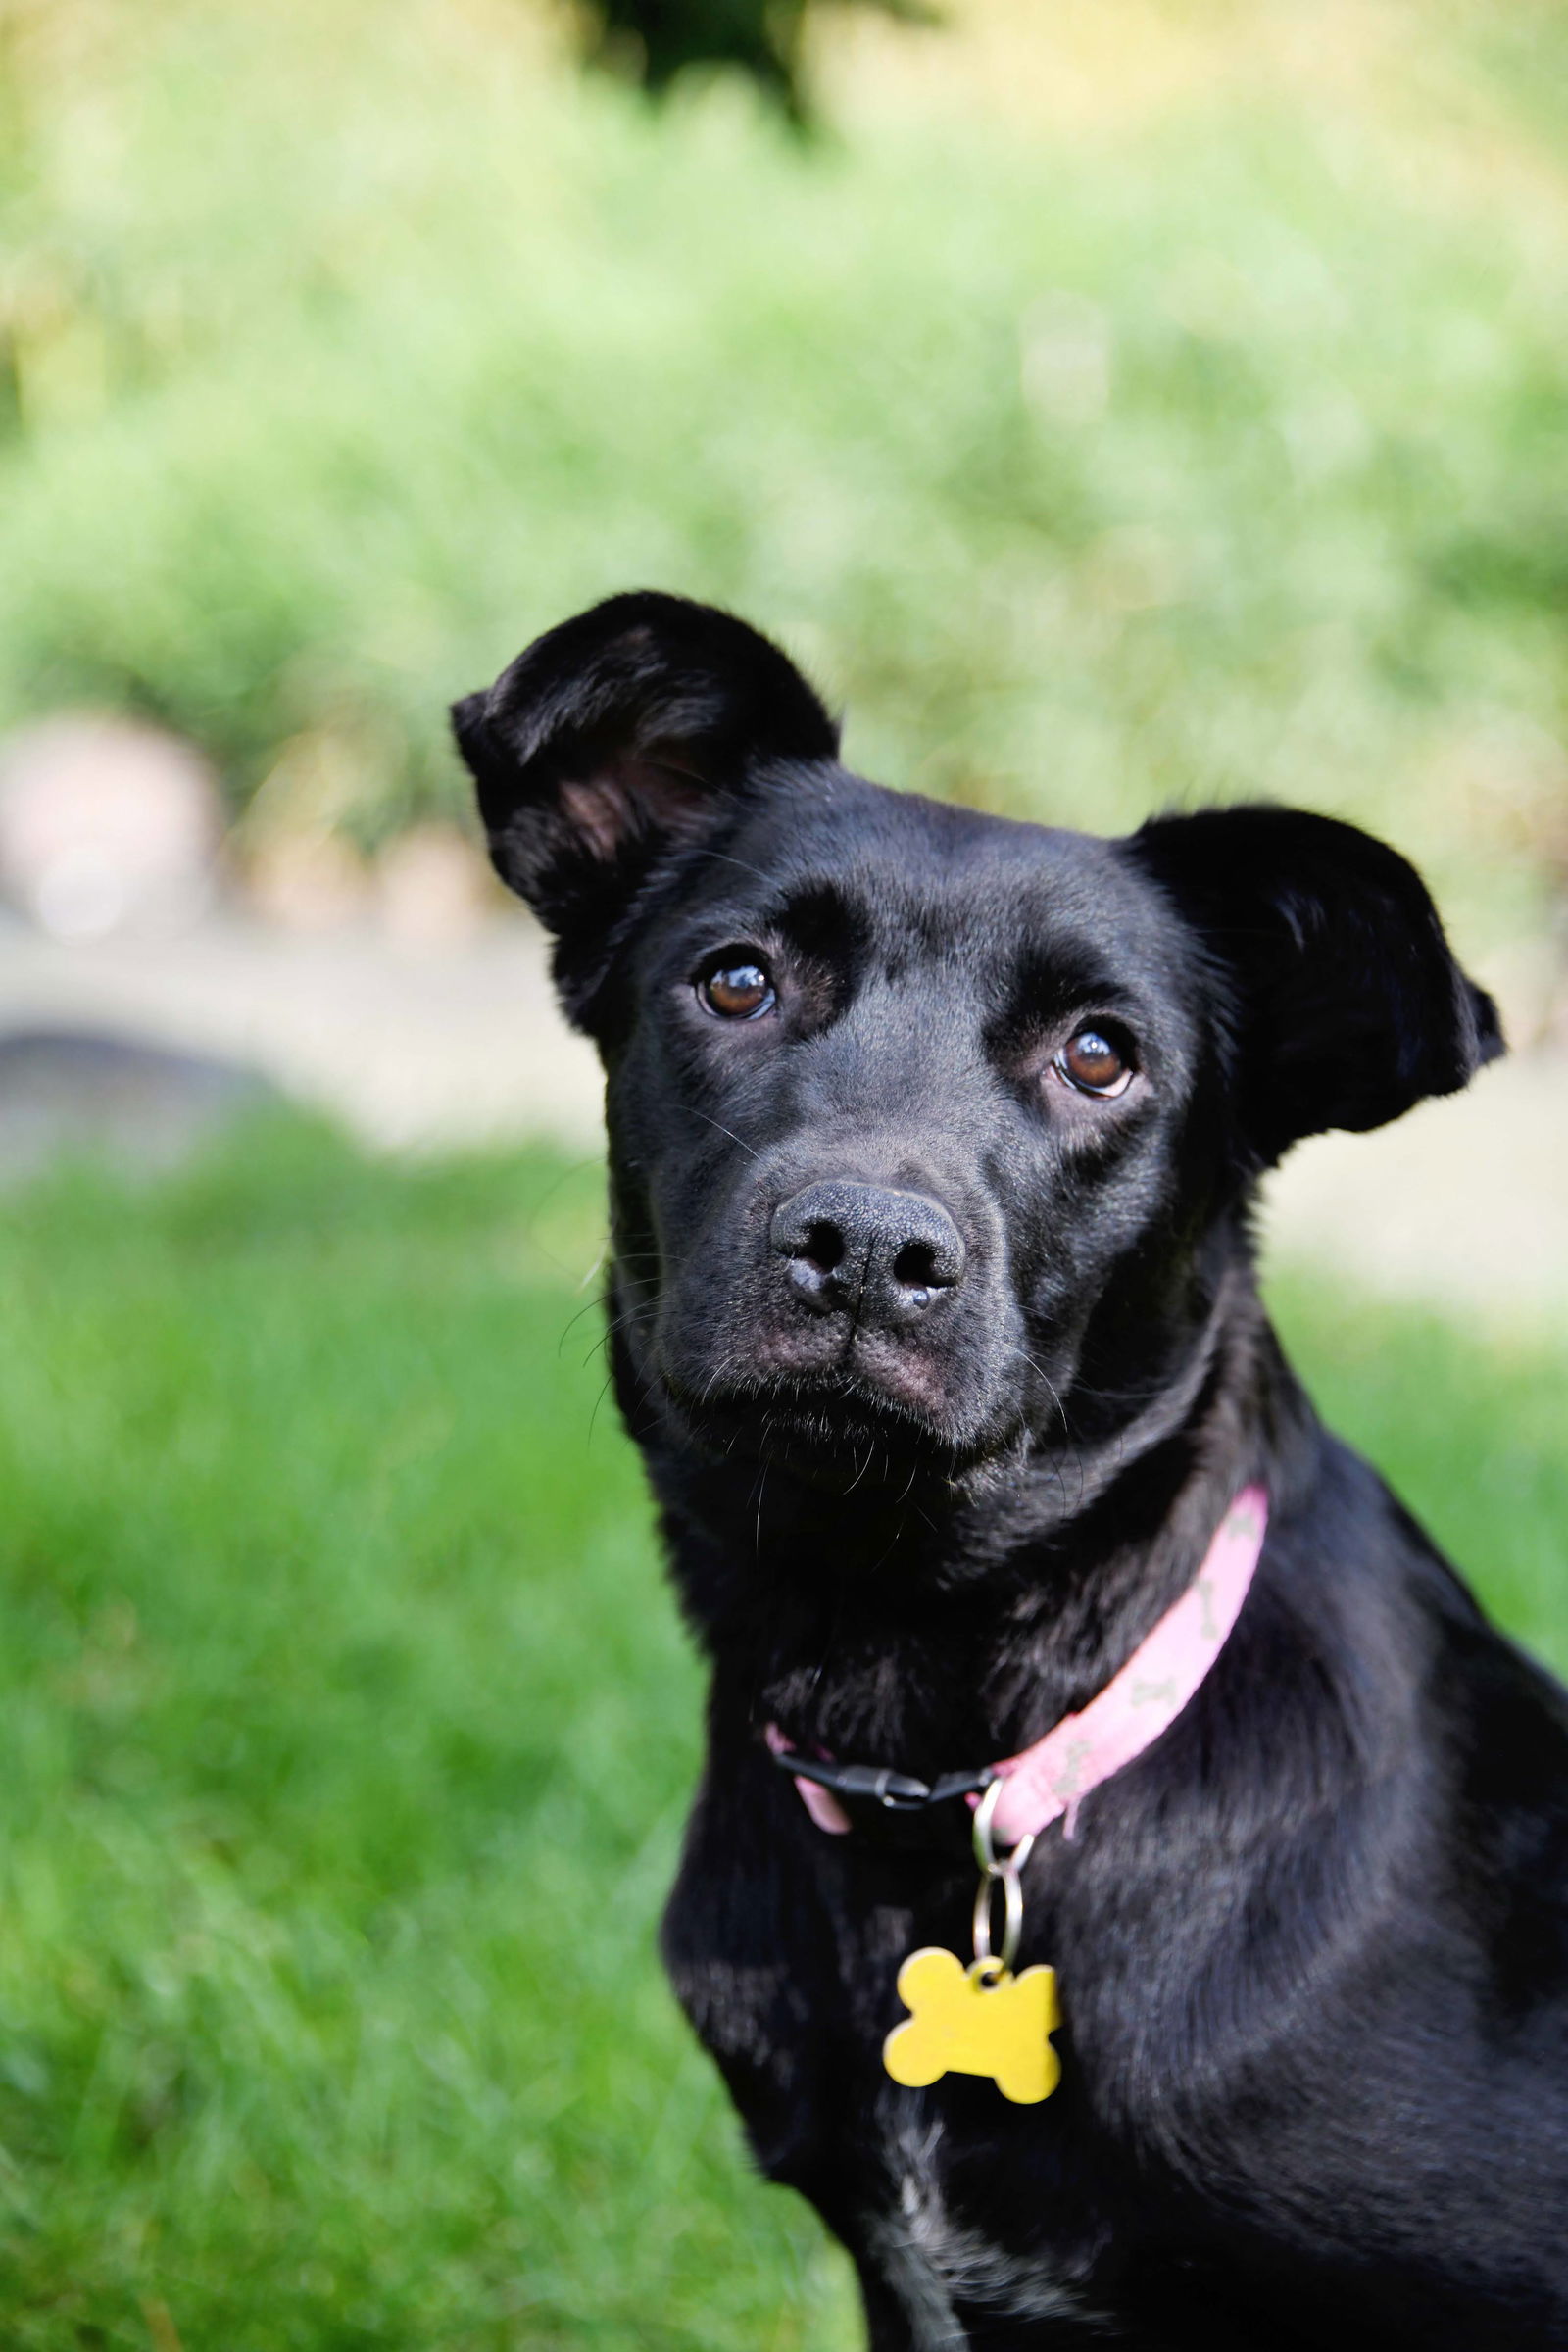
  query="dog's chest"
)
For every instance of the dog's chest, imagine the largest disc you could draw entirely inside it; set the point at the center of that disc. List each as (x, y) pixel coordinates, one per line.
(938, 2259)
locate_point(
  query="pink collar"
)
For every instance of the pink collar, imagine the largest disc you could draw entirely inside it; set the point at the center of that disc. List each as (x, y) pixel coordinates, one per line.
(1050, 1781)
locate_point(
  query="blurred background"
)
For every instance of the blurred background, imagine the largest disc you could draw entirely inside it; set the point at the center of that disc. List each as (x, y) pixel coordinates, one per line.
(1114, 405)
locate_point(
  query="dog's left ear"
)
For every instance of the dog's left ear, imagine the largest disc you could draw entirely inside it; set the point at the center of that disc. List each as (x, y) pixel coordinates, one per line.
(1341, 995)
(616, 741)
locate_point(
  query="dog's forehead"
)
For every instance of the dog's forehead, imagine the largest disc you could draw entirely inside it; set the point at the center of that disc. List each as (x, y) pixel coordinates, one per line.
(939, 878)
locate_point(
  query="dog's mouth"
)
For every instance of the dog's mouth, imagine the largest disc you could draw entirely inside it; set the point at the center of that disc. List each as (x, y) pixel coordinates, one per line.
(834, 1430)
(837, 1399)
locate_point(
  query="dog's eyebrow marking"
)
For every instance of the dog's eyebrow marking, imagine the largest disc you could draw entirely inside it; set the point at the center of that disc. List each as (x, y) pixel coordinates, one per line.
(1069, 979)
(821, 918)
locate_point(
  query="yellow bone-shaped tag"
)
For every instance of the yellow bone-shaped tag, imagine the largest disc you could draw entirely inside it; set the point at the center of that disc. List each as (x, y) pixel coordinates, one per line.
(979, 2020)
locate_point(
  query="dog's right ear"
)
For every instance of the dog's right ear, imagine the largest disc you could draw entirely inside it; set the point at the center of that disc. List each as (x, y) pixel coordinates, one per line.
(616, 741)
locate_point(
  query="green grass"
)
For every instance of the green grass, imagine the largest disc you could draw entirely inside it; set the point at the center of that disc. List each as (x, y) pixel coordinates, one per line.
(346, 1733)
(1215, 446)
(347, 1738)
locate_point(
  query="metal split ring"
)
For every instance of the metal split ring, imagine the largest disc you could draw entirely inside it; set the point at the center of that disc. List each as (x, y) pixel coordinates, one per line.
(995, 1868)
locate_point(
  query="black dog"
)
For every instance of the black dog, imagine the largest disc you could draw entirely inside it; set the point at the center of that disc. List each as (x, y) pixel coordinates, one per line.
(934, 1139)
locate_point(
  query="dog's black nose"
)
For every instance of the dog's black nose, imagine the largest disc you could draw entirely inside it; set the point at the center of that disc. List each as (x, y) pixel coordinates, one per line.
(883, 1257)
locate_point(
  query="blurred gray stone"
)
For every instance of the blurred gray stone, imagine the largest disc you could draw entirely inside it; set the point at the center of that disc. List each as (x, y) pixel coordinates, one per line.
(89, 1093)
(412, 1046)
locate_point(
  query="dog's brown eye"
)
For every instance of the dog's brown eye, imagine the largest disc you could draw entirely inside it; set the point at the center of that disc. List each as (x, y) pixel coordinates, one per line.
(737, 992)
(1091, 1063)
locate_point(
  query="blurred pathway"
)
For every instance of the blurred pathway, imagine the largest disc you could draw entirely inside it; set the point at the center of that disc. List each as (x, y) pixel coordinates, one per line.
(412, 1046)
(1464, 1203)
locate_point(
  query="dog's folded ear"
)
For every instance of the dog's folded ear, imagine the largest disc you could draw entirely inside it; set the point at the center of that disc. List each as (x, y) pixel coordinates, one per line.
(1342, 1000)
(616, 741)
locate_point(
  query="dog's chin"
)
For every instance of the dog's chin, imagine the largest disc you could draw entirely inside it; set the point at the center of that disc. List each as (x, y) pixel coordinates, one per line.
(833, 1431)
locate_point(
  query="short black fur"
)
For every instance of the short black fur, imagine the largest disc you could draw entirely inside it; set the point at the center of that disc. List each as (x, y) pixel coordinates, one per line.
(945, 1370)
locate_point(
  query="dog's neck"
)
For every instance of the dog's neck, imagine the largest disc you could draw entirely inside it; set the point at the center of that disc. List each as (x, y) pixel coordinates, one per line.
(929, 1623)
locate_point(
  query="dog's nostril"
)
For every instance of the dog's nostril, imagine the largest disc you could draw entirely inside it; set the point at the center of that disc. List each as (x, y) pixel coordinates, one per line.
(822, 1248)
(915, 1267)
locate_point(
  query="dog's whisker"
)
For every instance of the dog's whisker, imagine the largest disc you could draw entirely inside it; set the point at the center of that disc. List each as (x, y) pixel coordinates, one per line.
(593, 1418)
(860, 1473)
(724, 1130)
(761, 1483)
(726, 858)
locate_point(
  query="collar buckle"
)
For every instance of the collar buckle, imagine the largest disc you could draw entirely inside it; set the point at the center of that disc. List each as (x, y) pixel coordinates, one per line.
(873, 1792)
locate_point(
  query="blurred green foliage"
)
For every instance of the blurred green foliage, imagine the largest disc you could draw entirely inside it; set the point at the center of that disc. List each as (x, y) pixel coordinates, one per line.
(346, 1733)
(1213, 445)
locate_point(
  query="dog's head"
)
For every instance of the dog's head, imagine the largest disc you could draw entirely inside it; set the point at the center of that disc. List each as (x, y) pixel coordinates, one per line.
(926, 1127)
